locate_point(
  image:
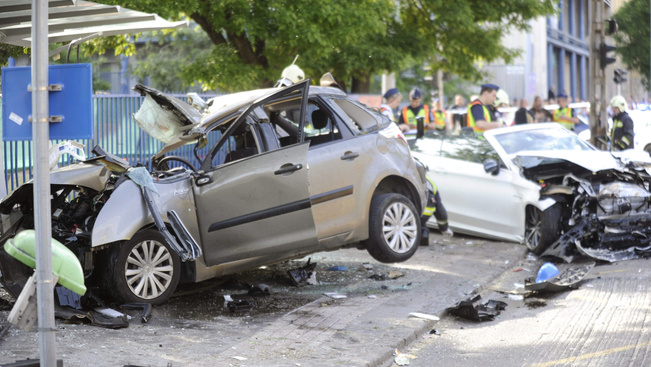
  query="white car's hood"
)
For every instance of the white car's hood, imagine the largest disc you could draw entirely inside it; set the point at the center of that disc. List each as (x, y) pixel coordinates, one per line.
(593, 161)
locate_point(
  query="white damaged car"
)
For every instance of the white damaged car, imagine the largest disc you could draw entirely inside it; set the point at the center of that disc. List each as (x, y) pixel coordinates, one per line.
(540, 184)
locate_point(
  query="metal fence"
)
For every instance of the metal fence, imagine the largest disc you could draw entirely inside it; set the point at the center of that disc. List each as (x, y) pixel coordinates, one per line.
(115, 130)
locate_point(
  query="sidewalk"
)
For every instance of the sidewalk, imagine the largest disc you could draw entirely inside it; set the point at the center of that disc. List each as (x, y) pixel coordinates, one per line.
(364, 331)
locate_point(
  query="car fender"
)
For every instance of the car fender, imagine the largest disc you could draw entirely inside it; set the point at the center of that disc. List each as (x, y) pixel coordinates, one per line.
(126, 212)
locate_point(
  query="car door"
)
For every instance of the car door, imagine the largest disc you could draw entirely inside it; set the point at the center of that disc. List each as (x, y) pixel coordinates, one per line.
(476, 201)
(256, 202)
(337, 160)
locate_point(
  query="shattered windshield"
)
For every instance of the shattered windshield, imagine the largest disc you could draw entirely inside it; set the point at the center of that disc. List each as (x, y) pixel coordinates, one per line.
(541, 139)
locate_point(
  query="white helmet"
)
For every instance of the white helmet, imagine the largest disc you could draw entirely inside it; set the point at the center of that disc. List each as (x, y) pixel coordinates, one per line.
(501, 98)
(293, 73)
(619, 102)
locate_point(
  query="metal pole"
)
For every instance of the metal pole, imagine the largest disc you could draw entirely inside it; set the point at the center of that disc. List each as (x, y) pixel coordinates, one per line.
(42, 214)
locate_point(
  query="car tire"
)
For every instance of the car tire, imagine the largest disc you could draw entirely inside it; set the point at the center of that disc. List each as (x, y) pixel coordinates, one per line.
(394, 228)
(143, 269)
(542, 228)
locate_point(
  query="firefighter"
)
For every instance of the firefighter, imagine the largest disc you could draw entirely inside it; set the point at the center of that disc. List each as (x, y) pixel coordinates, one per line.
(434, 207)
(622, 133)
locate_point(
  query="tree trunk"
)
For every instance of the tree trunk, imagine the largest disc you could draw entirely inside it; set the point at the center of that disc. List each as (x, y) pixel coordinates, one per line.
(361, 84)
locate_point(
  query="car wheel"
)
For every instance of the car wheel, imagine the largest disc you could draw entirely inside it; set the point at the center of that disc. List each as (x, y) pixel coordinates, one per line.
(542, 228)
(394, 228)
(144, 269)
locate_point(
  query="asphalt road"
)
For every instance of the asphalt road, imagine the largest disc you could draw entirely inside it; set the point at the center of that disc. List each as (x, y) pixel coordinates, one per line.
(294, 325)
(605, 322)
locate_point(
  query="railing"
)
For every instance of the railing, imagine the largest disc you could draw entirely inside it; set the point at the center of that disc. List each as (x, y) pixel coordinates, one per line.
(115, 130)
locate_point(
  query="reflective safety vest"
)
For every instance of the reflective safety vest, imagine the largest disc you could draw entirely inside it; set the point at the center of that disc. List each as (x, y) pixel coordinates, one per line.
(567, 112)
(471, 118)
(431, 198)
(439, 120)
(384, 109)
(409, 118)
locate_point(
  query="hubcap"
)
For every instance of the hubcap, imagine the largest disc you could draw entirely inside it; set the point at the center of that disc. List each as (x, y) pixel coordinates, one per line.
(149, 269)
(399, 227)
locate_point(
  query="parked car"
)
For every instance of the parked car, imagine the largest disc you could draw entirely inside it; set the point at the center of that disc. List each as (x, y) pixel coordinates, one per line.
(533, 183)
(292, 171)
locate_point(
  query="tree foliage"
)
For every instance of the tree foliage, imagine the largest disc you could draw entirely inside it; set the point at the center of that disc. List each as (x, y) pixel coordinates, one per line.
(252, 41)
(633, 37)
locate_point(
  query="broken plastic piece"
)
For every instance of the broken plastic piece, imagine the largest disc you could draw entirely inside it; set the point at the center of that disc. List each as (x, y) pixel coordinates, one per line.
(67, 297)
(302, 274)
(380, 277)
(146, 310)
(569, 277)
(260, 289)
(335, 295)
(240, 305)
(394, 274)
(338, 268)
(481, 312)
(424, 316)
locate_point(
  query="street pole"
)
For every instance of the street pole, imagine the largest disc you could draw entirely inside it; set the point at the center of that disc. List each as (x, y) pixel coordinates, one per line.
(40, 138)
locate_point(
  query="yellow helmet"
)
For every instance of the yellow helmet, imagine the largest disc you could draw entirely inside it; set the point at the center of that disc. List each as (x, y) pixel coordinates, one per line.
(619, 102)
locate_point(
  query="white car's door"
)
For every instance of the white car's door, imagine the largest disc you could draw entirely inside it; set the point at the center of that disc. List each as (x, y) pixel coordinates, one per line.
(477, 202)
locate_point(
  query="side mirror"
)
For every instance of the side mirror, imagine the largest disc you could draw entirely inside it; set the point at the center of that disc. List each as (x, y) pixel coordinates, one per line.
(491, 166)
(202, 178)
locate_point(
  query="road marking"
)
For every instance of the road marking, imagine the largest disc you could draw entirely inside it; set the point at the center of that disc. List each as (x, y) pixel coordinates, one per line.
(590, 355)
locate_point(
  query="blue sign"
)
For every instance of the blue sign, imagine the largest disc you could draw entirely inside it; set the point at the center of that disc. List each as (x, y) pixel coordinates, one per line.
(70, 97)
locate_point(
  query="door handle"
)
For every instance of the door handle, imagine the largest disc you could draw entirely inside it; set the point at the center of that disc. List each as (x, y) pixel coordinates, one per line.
(288, 168)
(349, 156)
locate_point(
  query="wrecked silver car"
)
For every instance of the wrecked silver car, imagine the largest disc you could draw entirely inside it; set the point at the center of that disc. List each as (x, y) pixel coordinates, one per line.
(541, 185)
(278, 173)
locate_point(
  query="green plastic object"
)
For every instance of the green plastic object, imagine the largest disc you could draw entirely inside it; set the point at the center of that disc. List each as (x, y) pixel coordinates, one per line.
(65, 264)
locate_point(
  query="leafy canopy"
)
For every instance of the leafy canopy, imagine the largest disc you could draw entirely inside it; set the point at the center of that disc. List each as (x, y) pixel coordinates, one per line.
(633, 37)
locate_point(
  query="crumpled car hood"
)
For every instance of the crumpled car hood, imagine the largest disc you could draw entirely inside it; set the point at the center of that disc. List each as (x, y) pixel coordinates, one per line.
(593, 161)
(167, 118)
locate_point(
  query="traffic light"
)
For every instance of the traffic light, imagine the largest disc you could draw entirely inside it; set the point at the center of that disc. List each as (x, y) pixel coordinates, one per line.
(604, 49)
(610, 27)
(619, 76)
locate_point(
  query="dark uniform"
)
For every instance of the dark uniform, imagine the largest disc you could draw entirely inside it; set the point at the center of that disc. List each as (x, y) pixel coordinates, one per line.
(434, 207)
(622, 134)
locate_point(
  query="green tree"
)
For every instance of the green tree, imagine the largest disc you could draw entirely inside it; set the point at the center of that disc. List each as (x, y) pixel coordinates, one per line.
(633, 37)
(254, 40)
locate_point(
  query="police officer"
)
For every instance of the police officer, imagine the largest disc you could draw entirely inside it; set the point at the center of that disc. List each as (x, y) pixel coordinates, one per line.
(479, 116)
(564, 115)
(392, 99)
(622, 132)
(407, 120)
(440, 117)
(434, 207)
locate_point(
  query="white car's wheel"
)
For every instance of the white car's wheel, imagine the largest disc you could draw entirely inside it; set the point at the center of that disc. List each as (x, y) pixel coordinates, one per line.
(541, 228)
(394, 228)
(145, 269)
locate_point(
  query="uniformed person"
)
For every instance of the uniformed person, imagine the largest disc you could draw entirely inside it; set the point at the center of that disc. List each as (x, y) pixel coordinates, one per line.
(440, 117)
(434, 207)
(622, 132)
(479, 116)
(407, 120)
(392, 99)
(564, 115)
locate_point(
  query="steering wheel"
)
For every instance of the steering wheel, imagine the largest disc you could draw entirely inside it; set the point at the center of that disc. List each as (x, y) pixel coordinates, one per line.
(162, 164)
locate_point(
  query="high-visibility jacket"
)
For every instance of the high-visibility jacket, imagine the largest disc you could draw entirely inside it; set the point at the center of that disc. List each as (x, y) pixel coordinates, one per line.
(409, 118)
(567, 112)
(439, 120)
(622, 132)
(471, 118)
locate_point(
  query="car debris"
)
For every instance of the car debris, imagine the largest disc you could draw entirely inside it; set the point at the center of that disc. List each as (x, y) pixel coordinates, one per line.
(425, 316)
(303, 274)
(379, 277)
(240, 305)
(102, 317)
(259, 289)
(146, 310)
(569, 277)
(395, 274)
(546, 272)
(486, 311)
(338, 268)
(335, 295)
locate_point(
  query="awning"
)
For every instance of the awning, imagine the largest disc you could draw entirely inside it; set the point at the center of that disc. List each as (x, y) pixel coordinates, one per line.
(74, 20)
